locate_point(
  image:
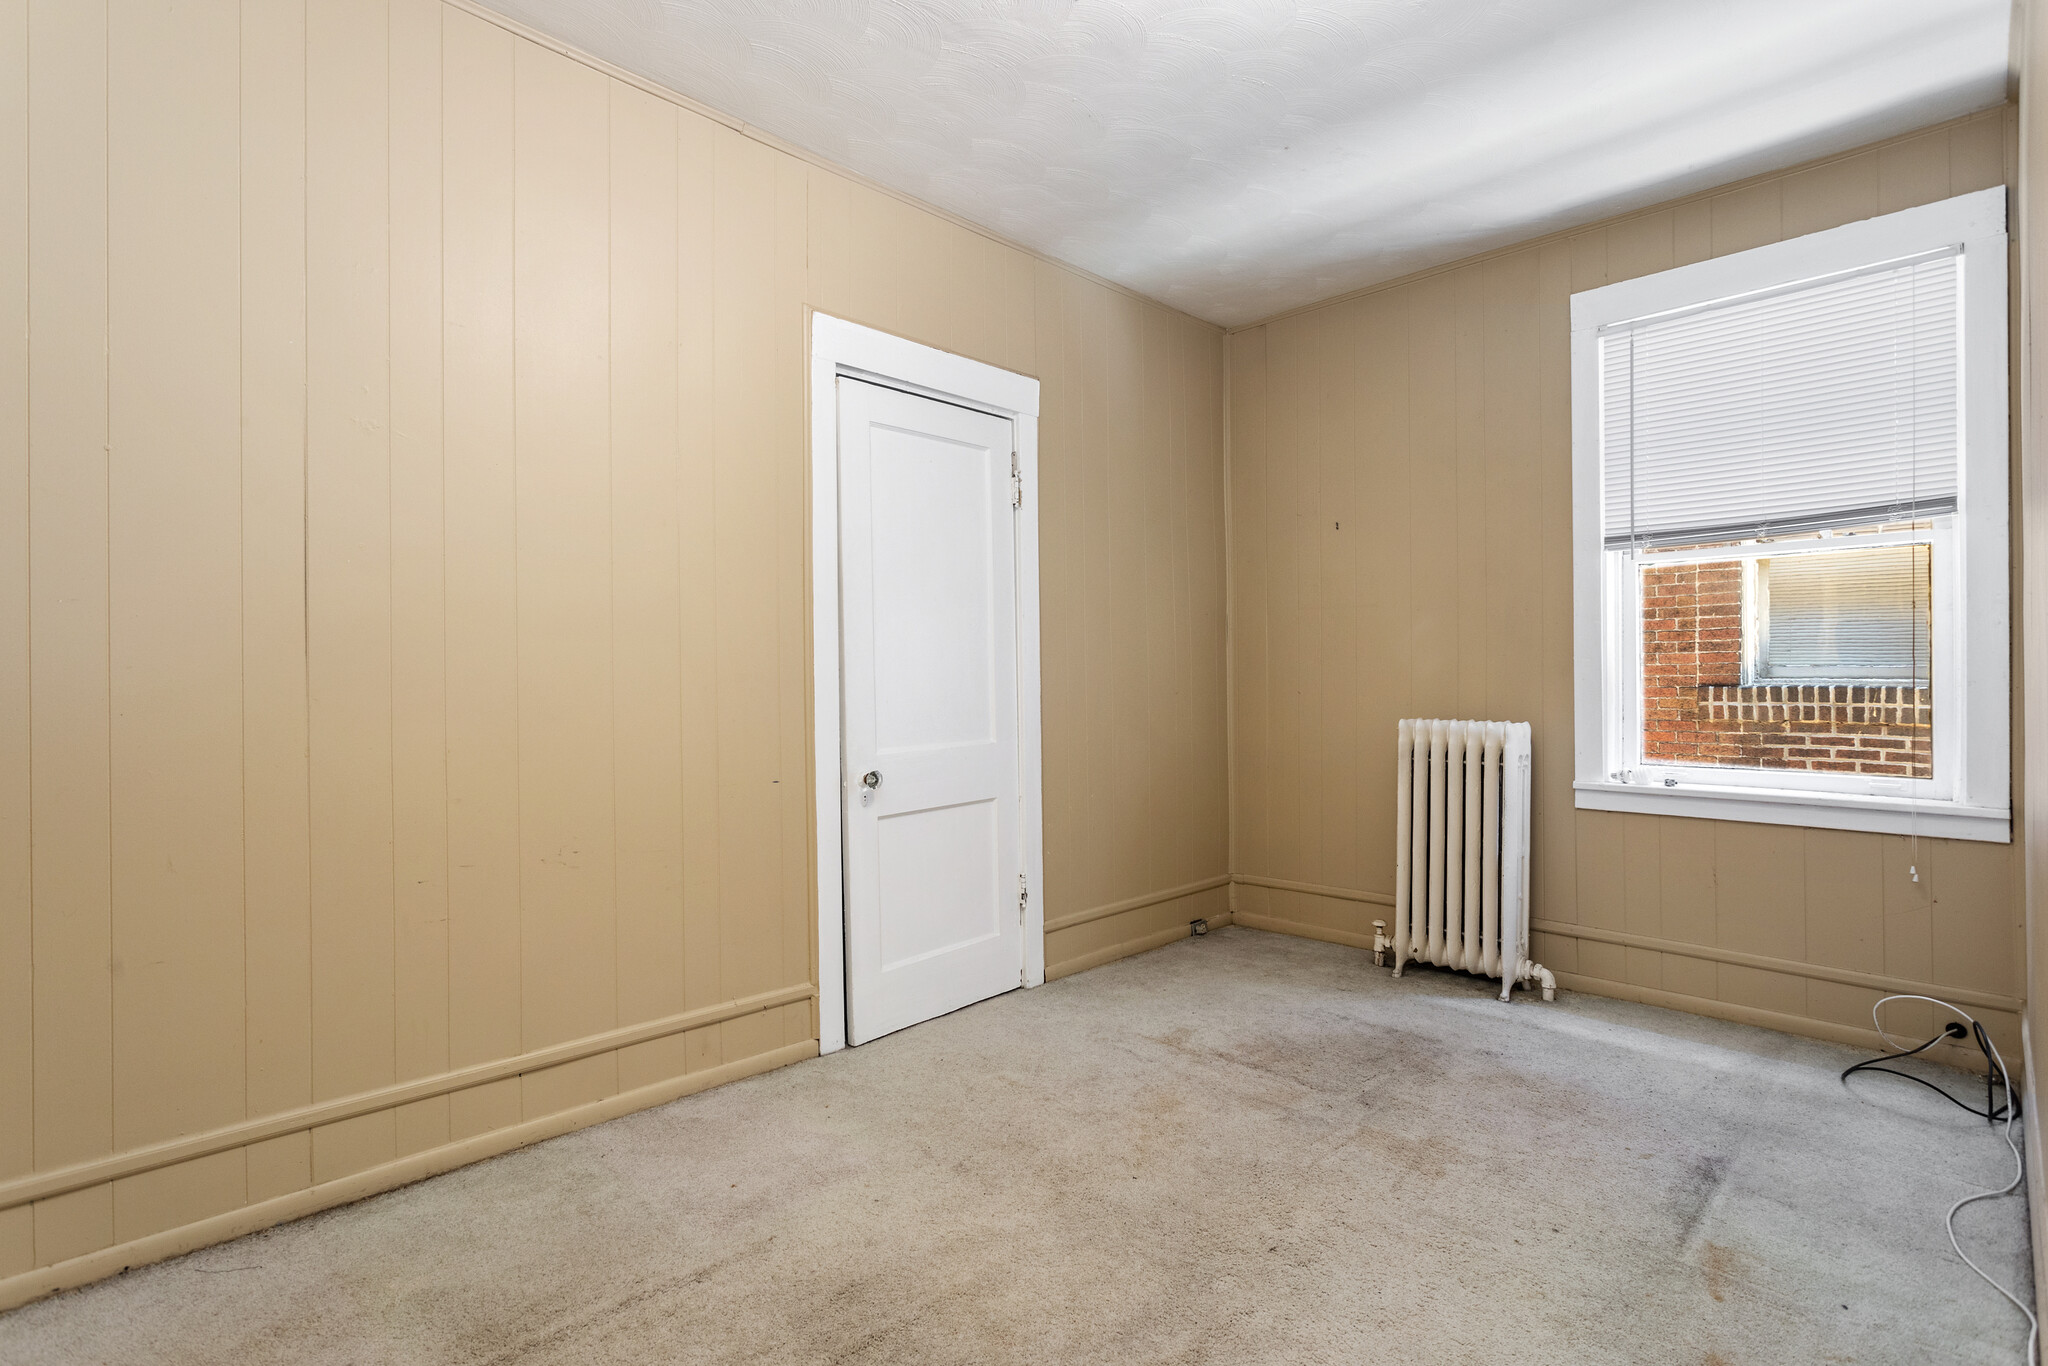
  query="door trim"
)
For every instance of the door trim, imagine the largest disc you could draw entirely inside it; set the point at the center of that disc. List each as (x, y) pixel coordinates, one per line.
(841, 348)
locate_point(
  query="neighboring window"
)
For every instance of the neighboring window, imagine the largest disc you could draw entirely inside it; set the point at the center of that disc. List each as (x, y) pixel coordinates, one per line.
(1842, 616)
(1790, 561)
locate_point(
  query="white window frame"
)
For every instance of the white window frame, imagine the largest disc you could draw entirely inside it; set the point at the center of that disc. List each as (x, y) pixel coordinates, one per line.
(1969, 796)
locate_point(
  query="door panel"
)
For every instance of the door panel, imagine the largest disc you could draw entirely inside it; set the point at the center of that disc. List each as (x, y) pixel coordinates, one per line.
(938, 866)
(928, 510)
(929, 614)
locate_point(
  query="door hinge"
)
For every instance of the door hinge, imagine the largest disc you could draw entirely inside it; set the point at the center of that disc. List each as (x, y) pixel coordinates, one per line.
(1016, 483)
(1023, 895)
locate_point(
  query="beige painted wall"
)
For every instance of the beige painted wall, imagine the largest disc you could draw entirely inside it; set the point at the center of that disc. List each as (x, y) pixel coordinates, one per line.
(1400, 546)
(403, 715)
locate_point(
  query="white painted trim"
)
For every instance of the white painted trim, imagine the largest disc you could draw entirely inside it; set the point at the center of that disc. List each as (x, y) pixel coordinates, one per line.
(840, 348)
(1972, 796)
(1821, 810)
(1908, 232)
(924, 368)
(1031, 766)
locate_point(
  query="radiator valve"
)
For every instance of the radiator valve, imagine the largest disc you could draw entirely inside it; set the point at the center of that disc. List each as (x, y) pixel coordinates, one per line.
(1380, 943)
(1530, 974)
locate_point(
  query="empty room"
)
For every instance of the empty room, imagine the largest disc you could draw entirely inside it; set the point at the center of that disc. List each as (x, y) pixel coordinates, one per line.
(1069, 681)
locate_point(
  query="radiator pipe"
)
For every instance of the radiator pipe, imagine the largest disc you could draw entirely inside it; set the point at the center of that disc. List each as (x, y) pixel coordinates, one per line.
(1532, 972)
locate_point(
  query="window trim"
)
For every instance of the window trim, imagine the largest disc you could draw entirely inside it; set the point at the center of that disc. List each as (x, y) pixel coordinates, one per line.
(1970, 795)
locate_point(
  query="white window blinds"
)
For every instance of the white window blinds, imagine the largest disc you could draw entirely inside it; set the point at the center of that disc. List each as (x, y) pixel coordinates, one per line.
(1845, 615)
(1825, 404)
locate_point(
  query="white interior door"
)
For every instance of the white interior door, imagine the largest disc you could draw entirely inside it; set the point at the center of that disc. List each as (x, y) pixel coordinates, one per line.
(934, 855)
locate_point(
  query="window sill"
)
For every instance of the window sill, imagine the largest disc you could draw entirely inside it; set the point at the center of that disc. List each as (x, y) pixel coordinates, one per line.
(1821, 810)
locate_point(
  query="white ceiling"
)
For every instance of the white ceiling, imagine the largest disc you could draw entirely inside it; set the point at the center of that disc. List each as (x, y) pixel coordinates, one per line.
(1237, 159)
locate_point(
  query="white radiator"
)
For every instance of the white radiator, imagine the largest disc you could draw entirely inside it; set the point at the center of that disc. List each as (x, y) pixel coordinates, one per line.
(1461, 852)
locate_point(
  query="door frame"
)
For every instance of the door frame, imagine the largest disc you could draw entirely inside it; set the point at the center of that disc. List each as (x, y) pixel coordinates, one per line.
(842, 348)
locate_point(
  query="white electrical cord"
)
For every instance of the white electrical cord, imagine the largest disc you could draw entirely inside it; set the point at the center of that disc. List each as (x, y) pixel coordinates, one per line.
(2019, 1165)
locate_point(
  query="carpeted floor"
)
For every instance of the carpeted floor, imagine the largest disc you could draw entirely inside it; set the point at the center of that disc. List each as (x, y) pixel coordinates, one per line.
(1244, 1148)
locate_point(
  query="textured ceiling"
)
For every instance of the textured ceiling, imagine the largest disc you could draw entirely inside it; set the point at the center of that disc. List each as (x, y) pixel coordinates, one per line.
(1242, 158)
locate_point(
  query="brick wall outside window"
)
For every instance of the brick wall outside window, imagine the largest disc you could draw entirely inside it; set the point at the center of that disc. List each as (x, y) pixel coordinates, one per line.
(1697, 711)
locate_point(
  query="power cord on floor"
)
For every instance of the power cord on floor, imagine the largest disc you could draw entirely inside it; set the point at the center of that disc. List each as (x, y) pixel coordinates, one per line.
(1993, 1081)
(1996, 1077)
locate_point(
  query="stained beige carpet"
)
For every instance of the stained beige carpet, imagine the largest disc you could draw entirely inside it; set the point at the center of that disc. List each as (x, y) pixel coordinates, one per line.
(1245, 1148)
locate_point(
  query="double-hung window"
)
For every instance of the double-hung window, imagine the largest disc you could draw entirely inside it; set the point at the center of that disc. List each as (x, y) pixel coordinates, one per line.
(1789, 531)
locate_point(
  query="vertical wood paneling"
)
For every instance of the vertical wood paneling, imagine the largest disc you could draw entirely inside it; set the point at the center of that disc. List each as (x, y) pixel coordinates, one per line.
(276, 834)
(1844, 191)
(1189, 833)
(790, 229)
(1434, 507)
(1642, 893)
(1466, 603)
(745, 574)
(1335, 751)
(1844, 900)
(1692, 232)
(174, 598)
(562, 300)
(874, 260)
(1131, 487)
(647, 612)
(1060, 679)
(404, 664)
(1153, 582)
(1516, 474)
(1554, 883)
(697, 522)
(1380, 688)
(419, 702)
(17, 978)
(69, 756)
(481, 565)
(1250, 572)
(1641, 246)
(1115, 668)
(1977, 155)
(1912, 171)
(1068, 476)
(1562, 876)
(348, 569)
(1686, 864)
(1206, 840)
(1090, 467)
(1469, 389)
(1021, 276)
(1969, 945)
(1747, 218)
(1287, 599)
